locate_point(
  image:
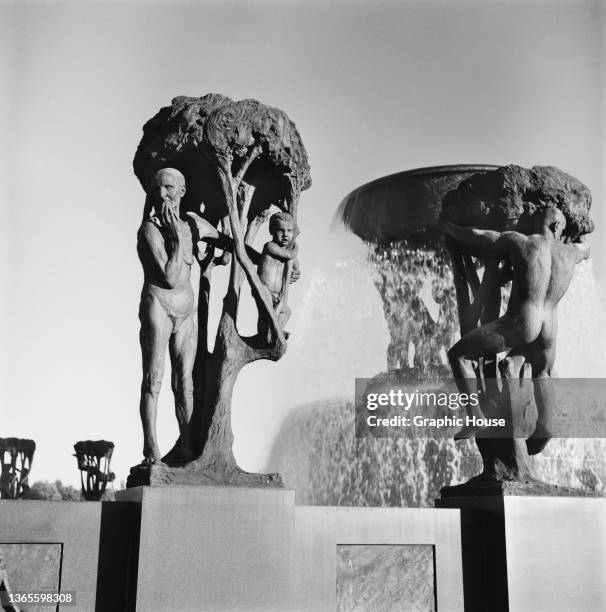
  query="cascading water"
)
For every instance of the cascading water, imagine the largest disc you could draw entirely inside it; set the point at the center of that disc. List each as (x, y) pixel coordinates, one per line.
(407, 325)
(419, 303)
(316, 451)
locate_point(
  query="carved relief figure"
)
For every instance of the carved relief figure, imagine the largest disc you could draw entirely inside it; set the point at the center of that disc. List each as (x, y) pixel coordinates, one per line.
(543, 266)
(5, 587)
(167, 310)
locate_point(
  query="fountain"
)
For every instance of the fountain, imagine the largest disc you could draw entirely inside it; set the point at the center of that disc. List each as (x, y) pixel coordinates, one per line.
(412, 271)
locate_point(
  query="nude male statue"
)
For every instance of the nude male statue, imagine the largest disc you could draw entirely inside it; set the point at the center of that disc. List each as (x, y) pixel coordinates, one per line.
(167, 311)
(543, 266)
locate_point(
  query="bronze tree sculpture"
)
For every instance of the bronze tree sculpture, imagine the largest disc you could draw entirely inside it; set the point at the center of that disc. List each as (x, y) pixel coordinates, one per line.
(94, 460)
(238, 159)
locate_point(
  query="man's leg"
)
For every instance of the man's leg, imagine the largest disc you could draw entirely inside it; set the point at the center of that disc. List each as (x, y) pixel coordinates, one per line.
(262, 322)
(545, 399)
(495, 337)
(154, 335)
(182, 346)
(542, 359)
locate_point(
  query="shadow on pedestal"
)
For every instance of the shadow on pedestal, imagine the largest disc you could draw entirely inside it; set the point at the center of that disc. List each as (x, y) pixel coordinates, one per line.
(118, 556)
(483, 552)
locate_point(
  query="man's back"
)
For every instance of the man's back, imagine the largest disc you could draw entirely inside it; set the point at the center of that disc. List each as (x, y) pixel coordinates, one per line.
(563, 261)
(542, 270)
(530, 258)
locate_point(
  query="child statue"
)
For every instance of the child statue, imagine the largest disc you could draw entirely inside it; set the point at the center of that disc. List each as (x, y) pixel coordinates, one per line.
(278, 263)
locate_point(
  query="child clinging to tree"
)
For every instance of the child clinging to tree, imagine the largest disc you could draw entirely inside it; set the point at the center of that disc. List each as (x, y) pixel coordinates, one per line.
(276, 254)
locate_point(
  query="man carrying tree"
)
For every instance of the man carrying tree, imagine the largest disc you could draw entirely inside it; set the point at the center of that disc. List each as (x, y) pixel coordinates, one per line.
(543, 266)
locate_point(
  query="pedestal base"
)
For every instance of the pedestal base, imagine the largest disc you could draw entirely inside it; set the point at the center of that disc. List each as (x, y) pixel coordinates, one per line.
(96, 543)
(533, 553)
(214, 548)
(226, 549)
(192, 475)
(485, 485)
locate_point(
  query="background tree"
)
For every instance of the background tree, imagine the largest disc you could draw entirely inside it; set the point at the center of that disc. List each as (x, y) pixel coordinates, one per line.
(239, 159)
(54, 491)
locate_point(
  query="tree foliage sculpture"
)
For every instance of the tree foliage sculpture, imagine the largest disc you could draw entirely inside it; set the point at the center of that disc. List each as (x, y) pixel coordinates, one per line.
(238, 159)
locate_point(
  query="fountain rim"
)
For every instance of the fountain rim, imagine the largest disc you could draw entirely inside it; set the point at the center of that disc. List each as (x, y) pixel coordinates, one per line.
(426, 171)
(415, 173)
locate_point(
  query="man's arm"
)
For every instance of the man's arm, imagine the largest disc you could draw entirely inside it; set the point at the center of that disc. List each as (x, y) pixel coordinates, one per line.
(166, 266)
(281, 253)
(504, 242)
(481, 239)
(296, 271)
(207, 233)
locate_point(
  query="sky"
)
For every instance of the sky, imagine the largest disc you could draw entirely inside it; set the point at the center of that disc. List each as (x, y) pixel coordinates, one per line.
(374, 88)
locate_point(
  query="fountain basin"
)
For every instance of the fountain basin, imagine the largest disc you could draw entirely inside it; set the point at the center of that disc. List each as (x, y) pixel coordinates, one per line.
(402, 205)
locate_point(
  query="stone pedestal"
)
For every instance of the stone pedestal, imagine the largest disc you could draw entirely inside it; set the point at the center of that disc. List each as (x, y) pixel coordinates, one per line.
(533, 553)
(87, 548)
(235, 548)
(214, 548)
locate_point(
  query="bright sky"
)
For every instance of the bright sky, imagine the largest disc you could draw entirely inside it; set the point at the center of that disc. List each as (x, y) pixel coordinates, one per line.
(374, 88)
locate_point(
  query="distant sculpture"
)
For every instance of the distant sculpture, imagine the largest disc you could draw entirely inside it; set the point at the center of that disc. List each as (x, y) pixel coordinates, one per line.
(543, 267)
(526, 227)
(240, 160)
(94, 459)
(278, 267)
(168, 309)
(16, 456)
